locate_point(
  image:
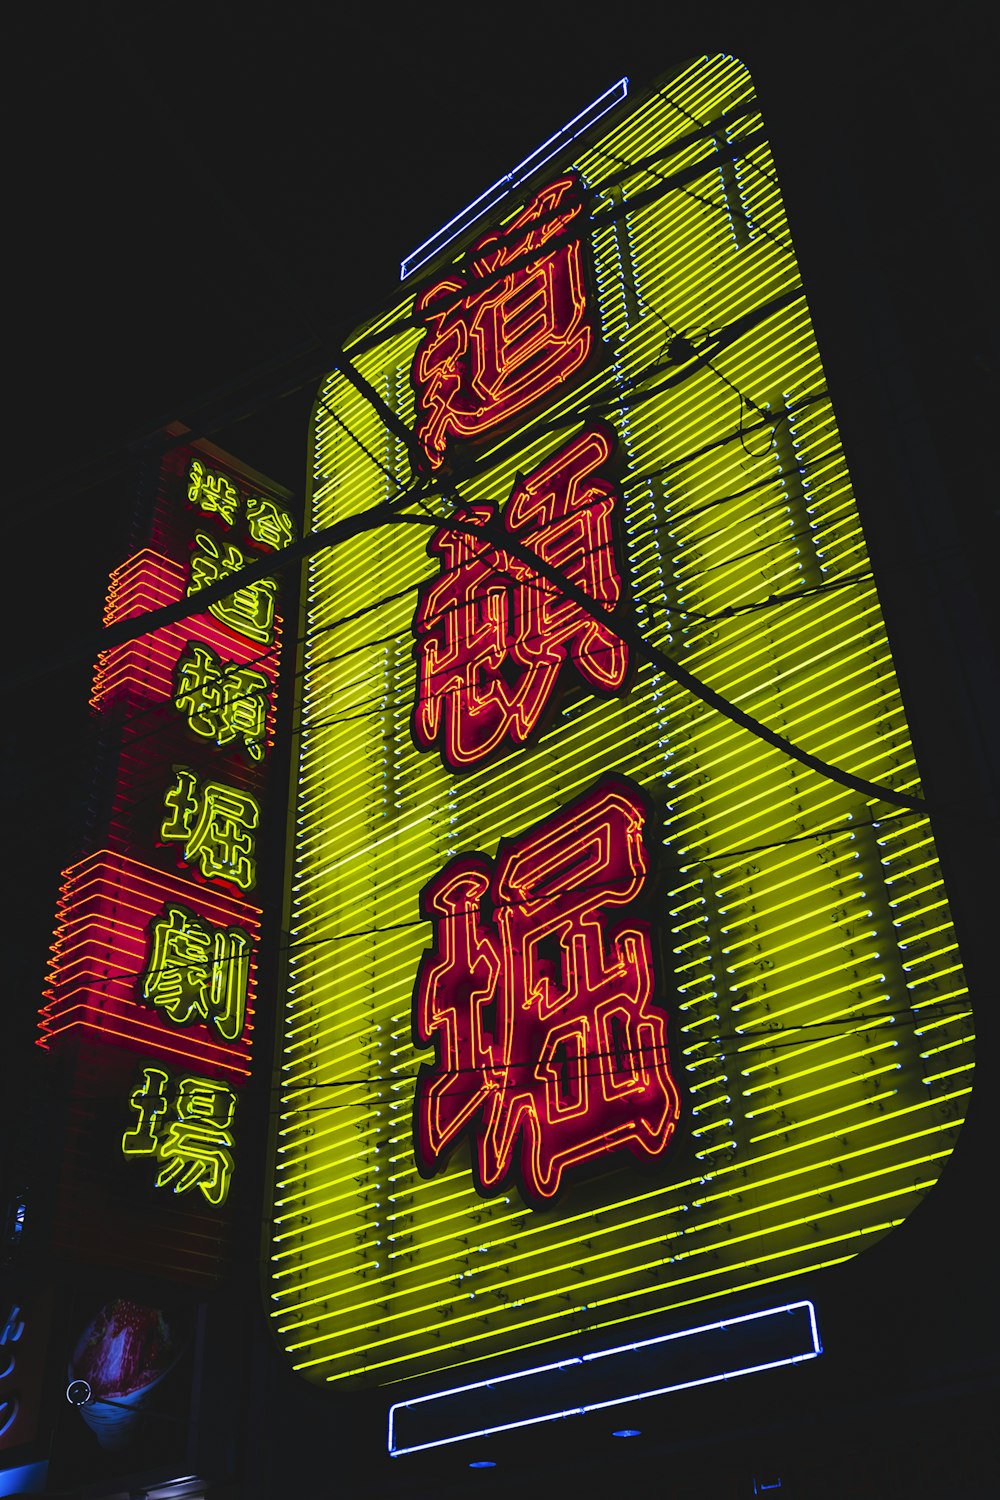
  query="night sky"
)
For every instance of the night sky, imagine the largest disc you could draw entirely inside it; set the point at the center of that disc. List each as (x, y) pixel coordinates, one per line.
(204, 199)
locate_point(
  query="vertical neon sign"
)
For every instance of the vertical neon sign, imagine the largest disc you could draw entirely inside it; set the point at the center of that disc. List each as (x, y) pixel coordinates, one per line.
(156, 944)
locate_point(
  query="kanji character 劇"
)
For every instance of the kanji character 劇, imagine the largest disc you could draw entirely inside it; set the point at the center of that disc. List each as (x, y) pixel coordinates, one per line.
(221, 700)
(198, 972)
(492, 636)
(269, 524)
(197, 1148)
(249, 610)
(509, 328)
(216, 824)
(550, 1049)
(212, 492)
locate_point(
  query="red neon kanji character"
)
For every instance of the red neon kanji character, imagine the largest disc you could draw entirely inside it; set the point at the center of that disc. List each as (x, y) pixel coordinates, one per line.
(498, 339)
(550, 1049)
(491, 635)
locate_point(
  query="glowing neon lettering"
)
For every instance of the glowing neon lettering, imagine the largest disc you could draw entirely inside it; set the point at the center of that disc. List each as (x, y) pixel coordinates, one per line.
(250, 610)
(10, 1333)
(212, 492)
(9, 1408)
(195, 1147)
(492, 637)
(550, 1048)
(216, 825)
(221, 700)
(13, 1327)
(269, 525)
(198, 972)
(149, 1101)
(509, 328)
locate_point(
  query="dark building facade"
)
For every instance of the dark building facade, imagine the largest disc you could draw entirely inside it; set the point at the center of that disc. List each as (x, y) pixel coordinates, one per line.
(718, 1137)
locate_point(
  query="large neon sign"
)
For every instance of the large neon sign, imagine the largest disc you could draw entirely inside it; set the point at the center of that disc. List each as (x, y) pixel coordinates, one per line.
(156, 947)
(804, 963)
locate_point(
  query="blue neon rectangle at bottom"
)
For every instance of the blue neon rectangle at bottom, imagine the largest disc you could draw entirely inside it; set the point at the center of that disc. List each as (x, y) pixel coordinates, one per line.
(604, 1378)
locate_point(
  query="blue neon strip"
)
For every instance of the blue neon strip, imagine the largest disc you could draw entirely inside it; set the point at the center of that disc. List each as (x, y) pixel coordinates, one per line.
(27, 1479)
(492, 195)
(815, 1349)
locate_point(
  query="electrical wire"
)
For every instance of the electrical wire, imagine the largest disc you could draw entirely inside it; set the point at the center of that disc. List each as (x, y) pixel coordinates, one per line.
(286, 945)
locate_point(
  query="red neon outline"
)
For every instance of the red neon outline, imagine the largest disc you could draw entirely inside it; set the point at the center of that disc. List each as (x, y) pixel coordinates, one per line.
(496, 343)
(544, 1062)
(143, 671)
(100, 950)
(489, 616)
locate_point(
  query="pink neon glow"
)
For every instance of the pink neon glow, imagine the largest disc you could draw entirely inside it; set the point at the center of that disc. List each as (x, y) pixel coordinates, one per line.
(101, 947)
(551, 1050)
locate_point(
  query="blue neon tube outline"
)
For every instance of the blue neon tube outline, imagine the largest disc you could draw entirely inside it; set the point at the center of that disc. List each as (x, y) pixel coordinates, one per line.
(578, 1411)
(481, 205)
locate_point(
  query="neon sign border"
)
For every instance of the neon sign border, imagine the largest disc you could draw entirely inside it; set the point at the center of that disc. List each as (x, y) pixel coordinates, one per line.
(475, 210)
(579, 1411)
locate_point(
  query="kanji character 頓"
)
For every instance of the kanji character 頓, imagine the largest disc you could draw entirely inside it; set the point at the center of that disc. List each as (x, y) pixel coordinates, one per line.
(221, 700)
(550, 1050)
(212, 492)
(250, 609)
(197, 971)
(216, 825)
(492, 636)
(507, 329)
(269, 525)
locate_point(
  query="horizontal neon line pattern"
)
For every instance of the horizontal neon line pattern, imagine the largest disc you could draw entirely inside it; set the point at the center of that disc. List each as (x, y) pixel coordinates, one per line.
(143, 671)
(101, 947)
(816, 1007)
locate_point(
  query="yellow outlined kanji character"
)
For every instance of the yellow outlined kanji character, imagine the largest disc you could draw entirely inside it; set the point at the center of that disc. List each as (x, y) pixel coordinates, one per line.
(221, 700)
(212, 492)
(249, 610)
(216, 824)
(269, 524)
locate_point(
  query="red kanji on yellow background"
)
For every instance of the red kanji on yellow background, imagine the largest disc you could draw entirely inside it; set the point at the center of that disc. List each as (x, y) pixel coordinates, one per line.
(509, 328)
(492, 636)
(551, 1050)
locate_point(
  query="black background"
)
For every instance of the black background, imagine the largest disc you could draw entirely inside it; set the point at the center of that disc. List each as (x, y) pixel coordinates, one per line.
(204, 199)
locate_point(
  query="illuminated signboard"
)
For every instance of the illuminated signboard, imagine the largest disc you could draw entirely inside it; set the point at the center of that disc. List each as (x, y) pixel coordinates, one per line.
(622, 975)
(158, 927)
